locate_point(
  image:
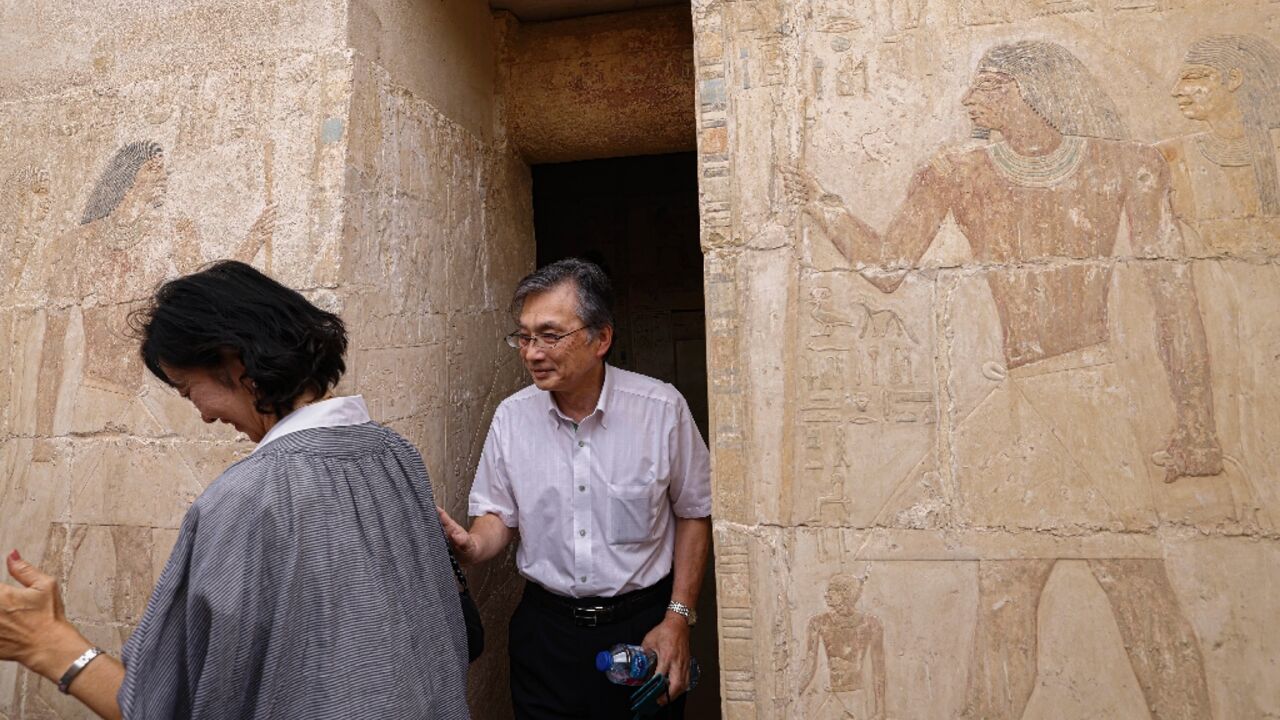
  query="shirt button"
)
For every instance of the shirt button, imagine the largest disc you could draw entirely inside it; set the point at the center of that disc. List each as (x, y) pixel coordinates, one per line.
(583, 578)
(582, 533)
(582, 488)
(582, 443)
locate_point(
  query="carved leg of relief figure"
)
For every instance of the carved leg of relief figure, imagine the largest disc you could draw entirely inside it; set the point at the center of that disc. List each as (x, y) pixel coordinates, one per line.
(1160, 641)
(1002, 667)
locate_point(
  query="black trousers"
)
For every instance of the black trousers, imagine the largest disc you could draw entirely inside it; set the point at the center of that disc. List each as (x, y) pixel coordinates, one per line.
(553, 663)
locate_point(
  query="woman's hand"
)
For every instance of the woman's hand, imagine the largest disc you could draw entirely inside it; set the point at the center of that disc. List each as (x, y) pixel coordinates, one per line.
(33, 625)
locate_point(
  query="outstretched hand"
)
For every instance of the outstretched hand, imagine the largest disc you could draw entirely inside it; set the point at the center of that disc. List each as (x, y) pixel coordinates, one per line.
(799, 186)
(33, 625)
(1190, 454)
(463, 542)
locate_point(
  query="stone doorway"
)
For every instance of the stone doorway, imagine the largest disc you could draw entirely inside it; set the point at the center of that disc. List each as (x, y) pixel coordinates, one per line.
(638, 218)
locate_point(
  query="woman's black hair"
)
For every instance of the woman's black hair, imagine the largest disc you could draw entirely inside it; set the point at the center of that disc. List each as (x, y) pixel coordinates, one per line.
(287, 345)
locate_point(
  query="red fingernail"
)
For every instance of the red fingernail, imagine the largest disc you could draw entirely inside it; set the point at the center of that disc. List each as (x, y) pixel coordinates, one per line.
(14, 555)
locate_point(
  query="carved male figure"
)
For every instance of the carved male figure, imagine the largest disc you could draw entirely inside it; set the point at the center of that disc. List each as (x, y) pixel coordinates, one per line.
(1225, 178)
(854, 646)
(122, 248)
(1226, 192)
(1042, 208)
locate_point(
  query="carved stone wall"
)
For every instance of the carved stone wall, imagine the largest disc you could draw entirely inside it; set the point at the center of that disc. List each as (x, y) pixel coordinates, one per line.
(349, 149)
(438, 231)
(139, 143)
(992, 304)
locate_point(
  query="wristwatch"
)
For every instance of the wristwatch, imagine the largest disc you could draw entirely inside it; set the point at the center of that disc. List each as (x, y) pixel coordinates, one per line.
(679, 608)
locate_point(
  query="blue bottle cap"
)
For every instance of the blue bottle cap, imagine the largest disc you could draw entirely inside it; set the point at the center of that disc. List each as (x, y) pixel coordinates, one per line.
(604, 661)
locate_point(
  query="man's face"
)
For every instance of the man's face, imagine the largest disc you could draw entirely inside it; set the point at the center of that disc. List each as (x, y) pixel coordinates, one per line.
(843, 594)
(1202, 93)
(571, 364)
(990, 98)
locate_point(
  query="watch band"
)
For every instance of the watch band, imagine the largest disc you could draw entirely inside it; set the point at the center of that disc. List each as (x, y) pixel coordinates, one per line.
(64, 683)
(690, 615)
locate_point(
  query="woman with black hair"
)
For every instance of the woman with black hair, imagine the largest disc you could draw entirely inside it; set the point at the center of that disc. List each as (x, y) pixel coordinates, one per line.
(311, 579)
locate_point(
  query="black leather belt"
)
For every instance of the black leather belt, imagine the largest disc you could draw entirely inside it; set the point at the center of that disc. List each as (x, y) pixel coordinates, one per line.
(593, 611)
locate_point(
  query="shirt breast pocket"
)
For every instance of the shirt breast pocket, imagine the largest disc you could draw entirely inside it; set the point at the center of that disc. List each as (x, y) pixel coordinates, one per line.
(633, 513)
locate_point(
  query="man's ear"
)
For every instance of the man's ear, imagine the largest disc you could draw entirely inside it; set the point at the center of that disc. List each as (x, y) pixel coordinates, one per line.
(604, 340)
(1235, 78)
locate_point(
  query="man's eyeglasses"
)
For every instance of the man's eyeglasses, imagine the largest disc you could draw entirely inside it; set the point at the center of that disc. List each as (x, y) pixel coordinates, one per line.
(541, 341)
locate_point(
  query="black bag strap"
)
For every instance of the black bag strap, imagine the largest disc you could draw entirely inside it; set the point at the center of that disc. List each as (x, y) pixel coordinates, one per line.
(457, 568)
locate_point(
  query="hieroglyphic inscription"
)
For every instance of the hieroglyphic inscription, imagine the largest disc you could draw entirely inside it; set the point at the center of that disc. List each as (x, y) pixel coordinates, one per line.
(713, 132)
(985, 12)
(1062, 7)
(737, 657)
(866, 373)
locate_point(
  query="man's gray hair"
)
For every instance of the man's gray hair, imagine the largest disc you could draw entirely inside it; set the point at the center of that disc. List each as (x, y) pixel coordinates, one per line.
(1058, 87)
(595, 292)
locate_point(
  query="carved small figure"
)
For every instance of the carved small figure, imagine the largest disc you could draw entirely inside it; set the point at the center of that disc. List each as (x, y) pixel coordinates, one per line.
(853, 642)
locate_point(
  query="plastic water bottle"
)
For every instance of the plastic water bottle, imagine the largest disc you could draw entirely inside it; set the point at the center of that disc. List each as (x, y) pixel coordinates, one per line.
(632, 665)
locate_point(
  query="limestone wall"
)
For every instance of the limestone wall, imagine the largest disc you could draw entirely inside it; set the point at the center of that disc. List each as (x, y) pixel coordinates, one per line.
(438, 231)
(347, 148)
(992, 305)
(138, 142)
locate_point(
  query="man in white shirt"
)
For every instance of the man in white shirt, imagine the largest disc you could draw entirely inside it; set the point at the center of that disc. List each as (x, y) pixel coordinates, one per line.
(607, 478)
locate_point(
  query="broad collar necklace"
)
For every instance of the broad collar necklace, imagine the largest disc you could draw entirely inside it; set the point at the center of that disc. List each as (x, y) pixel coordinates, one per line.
(1039, 171)
(1227, 152)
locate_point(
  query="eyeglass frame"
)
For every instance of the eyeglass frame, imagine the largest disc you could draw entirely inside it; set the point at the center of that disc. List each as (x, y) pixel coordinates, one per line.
(517, 341)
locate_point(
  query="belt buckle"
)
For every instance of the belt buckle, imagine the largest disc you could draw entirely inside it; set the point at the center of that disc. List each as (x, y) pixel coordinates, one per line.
(588, 616)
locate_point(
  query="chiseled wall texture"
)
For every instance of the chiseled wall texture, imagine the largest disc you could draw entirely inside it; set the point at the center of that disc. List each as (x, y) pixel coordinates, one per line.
(994, 321)
(348, 148)
(138, 142)
(438, 230)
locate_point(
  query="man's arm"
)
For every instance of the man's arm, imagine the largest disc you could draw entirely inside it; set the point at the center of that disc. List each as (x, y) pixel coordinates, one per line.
(877, 668)
(881, 259)
(810, 655)
(671, 637)
(487, 537)
(1193, 447)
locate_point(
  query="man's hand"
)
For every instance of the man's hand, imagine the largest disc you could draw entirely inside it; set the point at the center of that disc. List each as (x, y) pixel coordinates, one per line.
(800, 187)
(670, 639)
(1190, 454)
(464, 545)
(486, 538)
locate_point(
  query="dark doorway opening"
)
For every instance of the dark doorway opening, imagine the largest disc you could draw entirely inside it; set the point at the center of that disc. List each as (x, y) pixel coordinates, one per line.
(637, 217)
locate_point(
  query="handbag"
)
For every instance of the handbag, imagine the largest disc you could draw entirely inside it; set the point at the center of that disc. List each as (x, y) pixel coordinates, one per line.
(470, 612)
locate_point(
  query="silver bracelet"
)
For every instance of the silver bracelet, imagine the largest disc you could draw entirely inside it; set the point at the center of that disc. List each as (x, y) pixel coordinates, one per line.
(690, 615)
(64, 684)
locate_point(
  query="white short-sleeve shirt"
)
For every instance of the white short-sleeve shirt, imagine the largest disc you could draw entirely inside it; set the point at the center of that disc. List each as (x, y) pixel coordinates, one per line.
(596, 504)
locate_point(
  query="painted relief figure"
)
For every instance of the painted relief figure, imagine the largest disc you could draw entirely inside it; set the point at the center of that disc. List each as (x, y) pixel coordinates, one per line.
(1226, 193)
(124, 246)
(1225, 178)
(853, 643)
(24, 204)
(1042, 206)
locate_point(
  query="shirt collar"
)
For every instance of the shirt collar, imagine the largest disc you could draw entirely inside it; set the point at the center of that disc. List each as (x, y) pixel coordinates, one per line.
(606, 390)
(334, 412)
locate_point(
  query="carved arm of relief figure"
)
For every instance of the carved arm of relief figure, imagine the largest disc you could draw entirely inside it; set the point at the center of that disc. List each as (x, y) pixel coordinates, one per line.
(1193, 447)
(909, 235)
(813, 638)
(188, 256)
